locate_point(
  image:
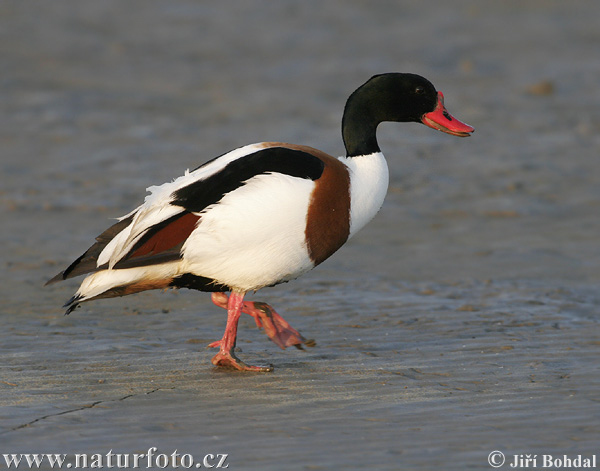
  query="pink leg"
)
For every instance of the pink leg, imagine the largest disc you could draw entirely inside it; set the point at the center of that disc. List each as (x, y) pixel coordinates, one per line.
(226, 357)
(276, 327)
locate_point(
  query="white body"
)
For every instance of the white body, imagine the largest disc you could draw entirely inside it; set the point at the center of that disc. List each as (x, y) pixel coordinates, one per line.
(252, 238)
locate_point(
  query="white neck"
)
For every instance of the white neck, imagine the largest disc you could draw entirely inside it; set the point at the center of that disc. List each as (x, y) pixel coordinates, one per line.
(369, 178)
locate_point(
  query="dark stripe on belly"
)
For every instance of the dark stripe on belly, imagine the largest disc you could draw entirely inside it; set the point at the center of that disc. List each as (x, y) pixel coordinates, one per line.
(200, 283)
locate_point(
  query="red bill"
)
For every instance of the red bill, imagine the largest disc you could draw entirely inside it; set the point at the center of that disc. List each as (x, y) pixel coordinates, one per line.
(443, 121)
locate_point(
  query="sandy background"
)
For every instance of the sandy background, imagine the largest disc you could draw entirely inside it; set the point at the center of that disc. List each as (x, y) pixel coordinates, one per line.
(462, 320)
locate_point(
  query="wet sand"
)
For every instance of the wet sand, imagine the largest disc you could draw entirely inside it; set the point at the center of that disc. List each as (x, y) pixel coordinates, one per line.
(462, 320)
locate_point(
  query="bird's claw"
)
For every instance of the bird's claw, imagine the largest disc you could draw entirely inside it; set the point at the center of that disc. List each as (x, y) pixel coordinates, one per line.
(228, 360)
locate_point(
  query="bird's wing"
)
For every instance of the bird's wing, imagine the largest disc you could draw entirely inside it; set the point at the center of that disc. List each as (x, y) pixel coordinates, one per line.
(154, 232)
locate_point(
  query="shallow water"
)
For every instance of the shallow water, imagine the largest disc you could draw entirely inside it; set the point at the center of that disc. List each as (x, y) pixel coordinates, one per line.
(462, 320)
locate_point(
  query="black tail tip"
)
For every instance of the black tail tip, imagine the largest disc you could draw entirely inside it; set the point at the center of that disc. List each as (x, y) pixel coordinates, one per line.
(72, 304)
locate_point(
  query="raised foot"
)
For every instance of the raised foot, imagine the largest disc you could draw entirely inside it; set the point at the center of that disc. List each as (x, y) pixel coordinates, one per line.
(230, 361)
(275, 326)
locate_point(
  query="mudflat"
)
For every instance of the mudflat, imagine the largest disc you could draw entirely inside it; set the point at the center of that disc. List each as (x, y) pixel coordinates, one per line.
(462, 321)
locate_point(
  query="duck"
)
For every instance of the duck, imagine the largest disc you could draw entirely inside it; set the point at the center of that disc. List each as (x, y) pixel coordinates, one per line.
(259, 215)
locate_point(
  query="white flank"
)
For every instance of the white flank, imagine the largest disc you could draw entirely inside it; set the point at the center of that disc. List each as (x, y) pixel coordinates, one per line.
(255, 236)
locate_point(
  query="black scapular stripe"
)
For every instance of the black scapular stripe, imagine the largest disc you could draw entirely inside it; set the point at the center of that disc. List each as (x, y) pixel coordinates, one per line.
(198, 195)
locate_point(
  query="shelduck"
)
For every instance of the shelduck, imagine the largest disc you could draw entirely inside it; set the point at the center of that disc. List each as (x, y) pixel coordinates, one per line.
(258, 216)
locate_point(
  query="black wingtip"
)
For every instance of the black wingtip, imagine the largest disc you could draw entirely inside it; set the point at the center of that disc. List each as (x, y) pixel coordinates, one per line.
(56, 279)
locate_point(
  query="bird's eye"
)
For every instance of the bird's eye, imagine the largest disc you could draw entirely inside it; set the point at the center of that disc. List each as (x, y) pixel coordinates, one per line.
(419, 90)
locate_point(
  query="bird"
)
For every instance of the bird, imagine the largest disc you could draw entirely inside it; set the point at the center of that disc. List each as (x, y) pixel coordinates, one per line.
(259, 215)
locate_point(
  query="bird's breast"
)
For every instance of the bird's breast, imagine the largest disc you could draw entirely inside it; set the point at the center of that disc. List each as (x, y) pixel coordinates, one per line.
(369, 179)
